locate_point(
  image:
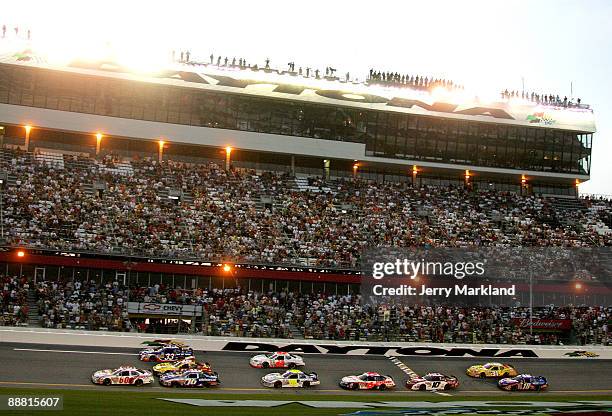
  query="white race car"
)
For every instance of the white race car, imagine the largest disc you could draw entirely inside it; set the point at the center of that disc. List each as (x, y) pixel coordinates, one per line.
(290, 378)
(367, 381)
(277, 360)
(122, 375)
(433, 381)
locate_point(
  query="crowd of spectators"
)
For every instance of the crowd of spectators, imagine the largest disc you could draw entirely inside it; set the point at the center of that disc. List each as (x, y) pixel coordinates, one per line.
(82, 305)
(221, 216)
(411, 81)
(235, 312)
(284, 314)
(13, 300)
(544, 99)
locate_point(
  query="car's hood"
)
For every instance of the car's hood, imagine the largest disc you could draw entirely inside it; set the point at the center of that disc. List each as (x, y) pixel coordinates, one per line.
(273, 376)
(100, 373)
(351, 378)
(260, 357)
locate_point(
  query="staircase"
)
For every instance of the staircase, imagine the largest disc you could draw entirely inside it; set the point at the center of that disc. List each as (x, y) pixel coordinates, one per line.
(33, 317)
(567, 204)
(295, 332)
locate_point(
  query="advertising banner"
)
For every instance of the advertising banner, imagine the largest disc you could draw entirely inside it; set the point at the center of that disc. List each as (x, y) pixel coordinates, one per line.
(144, 308)
(543, 324)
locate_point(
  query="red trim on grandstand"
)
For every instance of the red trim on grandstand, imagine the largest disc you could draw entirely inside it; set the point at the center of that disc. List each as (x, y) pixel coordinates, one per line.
(253, 273)
(237, 273)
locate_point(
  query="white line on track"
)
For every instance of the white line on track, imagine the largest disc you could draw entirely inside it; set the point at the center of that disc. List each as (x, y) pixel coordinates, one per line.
(403, 367)
(74, 352)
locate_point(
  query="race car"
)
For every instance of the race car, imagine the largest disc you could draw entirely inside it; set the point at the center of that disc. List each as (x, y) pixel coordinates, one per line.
(367, 381)
(277, 360)
(189, 378)
(188, 363)
(432, 382)
(165, 354)
(163, 343)
(523, 382)
(122, 375)
(491, 370)
(290, 378)
(582, 353)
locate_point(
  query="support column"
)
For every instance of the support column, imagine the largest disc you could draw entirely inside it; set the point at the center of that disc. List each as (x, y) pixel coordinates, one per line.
(27, 128)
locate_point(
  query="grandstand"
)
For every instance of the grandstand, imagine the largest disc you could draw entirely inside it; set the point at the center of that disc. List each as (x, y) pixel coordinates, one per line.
(201, 178)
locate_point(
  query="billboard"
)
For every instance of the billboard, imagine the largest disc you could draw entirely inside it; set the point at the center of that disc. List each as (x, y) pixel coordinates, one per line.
(167, 309)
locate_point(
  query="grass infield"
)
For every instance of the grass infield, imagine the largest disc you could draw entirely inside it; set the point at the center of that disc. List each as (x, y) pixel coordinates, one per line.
(120, 402)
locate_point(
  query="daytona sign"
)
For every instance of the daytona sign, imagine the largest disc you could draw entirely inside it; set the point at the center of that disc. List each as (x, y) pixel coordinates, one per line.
(379, 350)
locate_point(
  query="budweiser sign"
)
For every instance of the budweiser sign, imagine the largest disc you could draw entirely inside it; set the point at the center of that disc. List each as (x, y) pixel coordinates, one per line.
(550, 324)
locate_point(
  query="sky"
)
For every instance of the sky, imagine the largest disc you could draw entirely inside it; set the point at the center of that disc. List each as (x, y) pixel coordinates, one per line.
(484, 45)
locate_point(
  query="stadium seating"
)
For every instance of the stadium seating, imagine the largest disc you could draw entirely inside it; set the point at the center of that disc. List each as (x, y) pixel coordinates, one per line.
(180, 210)
(236, 312)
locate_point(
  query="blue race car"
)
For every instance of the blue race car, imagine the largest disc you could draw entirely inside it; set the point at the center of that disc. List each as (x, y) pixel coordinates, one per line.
(523, 382)
(166, 353)
(189, 378)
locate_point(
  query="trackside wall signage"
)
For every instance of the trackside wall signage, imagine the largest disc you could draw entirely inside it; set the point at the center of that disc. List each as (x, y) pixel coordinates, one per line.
(544, 324)
(381, 350)
(50, 336)
(145, 308)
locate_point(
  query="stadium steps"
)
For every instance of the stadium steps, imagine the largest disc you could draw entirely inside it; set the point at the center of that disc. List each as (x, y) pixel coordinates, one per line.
(567, 204)
(296, 333)
(187, 197)
(11, 180)
(88, 189)
(33, 316)
(51, 159)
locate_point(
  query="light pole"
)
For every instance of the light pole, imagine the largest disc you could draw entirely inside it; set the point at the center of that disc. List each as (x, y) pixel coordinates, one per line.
(530, 303)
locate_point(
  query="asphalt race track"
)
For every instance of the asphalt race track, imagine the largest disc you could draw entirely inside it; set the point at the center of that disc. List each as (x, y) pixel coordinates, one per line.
(57, 366)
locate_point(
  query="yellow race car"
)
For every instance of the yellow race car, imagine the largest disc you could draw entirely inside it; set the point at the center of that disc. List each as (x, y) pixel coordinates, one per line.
(491, 370)
(188, 363)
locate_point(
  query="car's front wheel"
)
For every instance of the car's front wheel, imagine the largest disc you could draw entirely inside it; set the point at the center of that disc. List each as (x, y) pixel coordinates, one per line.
(354, 386)
(265, 365)
(291, 365)
(138, 383)
(107, 382)
(422, 387)
(278, 384)
(483, 375)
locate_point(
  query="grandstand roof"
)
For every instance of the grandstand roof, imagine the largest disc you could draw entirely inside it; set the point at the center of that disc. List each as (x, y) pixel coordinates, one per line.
(331, 91)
